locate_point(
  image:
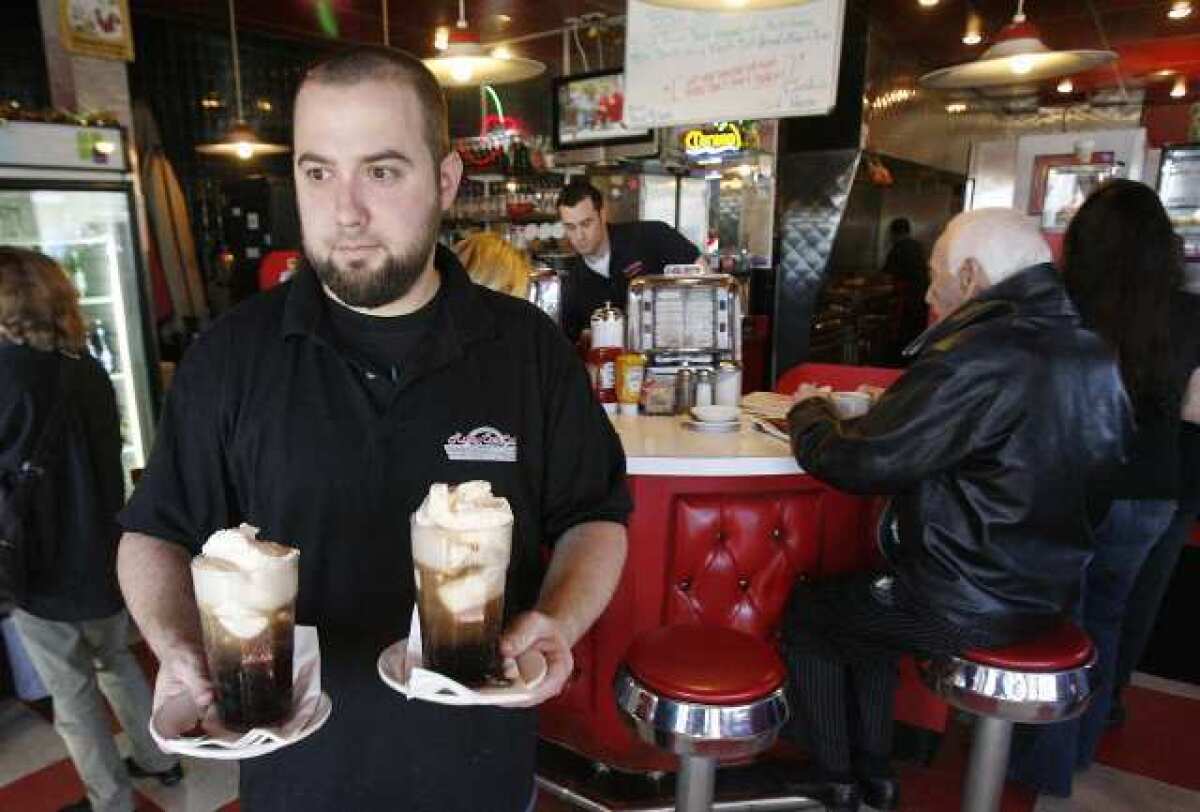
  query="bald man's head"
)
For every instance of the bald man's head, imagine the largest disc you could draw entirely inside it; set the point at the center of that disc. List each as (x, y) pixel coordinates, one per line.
(978, 249)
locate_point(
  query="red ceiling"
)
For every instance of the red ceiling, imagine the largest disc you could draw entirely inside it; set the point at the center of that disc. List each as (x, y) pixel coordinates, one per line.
(411, 22)
(1139, 31)
(925, 38)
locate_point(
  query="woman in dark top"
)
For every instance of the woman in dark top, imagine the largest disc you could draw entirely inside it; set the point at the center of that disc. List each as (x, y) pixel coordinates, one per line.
(1155, 575)
(72, 621)
(1123, 266)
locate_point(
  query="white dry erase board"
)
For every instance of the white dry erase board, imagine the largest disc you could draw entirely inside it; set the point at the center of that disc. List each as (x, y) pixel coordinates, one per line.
(683, 67)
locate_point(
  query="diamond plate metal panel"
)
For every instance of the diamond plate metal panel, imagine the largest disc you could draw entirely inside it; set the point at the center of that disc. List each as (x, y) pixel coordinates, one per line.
(814, 188)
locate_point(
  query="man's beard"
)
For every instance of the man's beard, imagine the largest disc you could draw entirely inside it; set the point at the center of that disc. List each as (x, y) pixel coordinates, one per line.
(358, 285)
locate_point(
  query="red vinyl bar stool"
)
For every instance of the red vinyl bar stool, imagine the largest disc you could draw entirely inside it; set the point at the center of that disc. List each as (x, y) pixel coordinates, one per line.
(706, 693)
(1047, 679)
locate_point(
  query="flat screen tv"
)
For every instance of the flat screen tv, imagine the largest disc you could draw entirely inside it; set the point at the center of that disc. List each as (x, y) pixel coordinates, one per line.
(588, 109)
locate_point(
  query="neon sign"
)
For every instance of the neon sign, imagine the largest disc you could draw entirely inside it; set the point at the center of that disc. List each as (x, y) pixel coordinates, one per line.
(724, 138)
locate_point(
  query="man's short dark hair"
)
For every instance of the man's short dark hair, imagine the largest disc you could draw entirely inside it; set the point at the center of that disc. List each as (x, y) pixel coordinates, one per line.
(577, 191)
(365, 63)
(900, 227)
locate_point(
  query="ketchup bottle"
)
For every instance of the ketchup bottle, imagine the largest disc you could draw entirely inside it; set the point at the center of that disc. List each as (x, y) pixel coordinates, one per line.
(608, 343)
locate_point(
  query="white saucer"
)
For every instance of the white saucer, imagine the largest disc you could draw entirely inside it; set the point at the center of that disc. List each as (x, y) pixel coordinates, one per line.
(724, 427)
(528, 670)
(210, 748)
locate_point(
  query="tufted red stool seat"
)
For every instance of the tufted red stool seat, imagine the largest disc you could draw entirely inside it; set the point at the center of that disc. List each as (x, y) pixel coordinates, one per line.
(1046, 679)
(705, 693)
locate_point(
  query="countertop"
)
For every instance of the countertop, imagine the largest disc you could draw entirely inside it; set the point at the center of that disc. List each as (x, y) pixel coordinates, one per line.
(661, 446)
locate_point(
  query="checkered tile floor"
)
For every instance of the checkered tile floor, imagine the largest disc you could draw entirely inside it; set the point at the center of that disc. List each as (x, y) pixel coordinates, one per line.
(1149, 765)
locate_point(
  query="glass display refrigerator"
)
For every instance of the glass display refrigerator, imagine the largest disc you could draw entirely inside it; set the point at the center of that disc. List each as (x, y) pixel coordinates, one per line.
(1179, 190)
(68, 192)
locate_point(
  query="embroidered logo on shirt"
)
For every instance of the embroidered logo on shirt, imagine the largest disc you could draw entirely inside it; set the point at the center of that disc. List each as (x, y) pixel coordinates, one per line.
(484, 444)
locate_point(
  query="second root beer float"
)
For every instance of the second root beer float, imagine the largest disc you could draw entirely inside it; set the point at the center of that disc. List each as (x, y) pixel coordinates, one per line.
(461, 541)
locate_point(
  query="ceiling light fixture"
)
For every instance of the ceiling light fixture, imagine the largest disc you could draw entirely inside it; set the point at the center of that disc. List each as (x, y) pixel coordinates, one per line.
(1180, 88)
(241, 139)
(973, 34)
(1018, 54)
(1180, 11)
(956, 107)
(927, 3)
(464, 61)
(1066, 86)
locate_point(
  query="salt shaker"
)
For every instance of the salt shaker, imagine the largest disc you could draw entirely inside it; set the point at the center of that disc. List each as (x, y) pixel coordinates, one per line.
(728, 388)
(685, 390)
(704, 388)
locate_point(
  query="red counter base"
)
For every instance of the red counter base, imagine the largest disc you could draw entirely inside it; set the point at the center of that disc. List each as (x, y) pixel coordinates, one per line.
(721, 552)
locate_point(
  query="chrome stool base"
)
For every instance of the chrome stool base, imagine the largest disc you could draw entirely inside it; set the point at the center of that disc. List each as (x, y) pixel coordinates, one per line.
(998, 698)
(701, 735)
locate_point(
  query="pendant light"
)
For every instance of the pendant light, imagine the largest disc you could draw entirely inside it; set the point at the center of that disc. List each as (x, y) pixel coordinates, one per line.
(726, 5)
(1018, 56)
(464, 63)
(240, 141)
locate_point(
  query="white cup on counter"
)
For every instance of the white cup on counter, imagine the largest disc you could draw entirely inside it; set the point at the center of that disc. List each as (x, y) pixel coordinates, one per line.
(849, 405)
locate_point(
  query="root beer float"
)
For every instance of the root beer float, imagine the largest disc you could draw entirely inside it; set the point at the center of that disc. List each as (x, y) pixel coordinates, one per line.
(461, 542)
(246, 594)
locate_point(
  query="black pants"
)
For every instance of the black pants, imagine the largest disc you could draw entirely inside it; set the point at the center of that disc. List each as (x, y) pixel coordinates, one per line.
(842, 638)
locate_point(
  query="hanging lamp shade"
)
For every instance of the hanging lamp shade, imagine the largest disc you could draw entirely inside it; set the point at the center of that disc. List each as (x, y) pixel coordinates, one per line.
(240, 141)
(726, 5)
(1018, 57)
(465, 63)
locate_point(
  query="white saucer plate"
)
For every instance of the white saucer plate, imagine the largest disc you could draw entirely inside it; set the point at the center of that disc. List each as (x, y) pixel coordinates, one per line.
(532, 666)
(222, 751)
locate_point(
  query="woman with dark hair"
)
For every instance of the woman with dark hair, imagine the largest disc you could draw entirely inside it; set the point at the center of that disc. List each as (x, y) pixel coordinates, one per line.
(1123, 267)
(72, 619)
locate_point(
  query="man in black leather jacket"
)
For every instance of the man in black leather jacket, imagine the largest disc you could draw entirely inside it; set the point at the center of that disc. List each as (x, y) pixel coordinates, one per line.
(987, 445)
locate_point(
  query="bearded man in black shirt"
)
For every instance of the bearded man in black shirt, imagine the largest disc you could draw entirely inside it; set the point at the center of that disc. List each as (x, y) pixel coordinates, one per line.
(323, 410)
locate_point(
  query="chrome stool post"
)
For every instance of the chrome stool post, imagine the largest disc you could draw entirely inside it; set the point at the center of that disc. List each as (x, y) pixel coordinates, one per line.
(1044, 680)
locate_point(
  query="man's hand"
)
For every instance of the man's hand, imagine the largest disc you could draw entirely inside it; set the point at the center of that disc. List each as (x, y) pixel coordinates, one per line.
(535, 630)
(873, 392)
(807, 391)
(182, 670)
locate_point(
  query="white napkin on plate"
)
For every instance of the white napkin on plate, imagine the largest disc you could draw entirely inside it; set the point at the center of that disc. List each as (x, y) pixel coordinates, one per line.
(179, 713)
(421, 683)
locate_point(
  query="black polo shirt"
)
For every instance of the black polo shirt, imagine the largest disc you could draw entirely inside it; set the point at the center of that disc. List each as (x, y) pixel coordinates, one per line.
(267, 422)
(636, 249)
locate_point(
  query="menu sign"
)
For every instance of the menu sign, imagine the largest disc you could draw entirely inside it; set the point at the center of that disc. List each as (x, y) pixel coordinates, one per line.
(688, 66)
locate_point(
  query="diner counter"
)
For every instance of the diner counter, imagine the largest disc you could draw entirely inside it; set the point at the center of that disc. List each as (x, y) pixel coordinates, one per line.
(662, 446)
(723, 526)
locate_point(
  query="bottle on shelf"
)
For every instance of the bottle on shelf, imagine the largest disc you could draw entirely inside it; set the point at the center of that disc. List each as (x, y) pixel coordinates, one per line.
(73, 265)
(101, 348)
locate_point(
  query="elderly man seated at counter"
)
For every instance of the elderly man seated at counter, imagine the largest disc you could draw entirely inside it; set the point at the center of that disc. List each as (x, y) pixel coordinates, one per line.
(987, 445)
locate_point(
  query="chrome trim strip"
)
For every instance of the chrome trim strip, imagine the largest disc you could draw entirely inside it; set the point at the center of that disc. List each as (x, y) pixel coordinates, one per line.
(774, 804)
(1029, 697)
(718, 731)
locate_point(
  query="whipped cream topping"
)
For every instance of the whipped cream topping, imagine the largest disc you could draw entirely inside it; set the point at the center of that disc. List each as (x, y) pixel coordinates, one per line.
(469, 506)
(240, 546)
(462, 527)
(239, 578)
